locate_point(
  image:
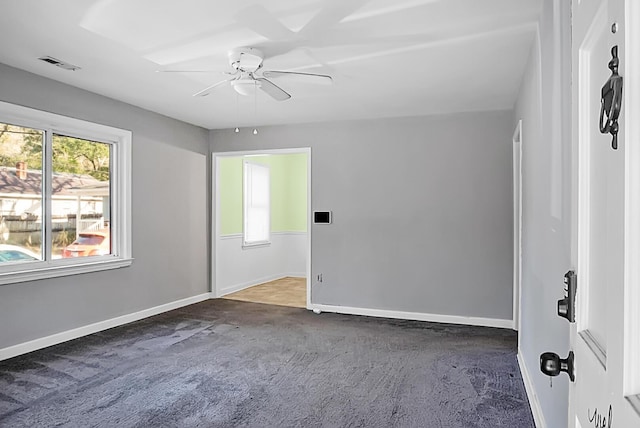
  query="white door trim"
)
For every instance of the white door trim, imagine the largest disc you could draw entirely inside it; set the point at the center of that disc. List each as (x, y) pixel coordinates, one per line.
(632, 208)
(517, 223)
(215, 205)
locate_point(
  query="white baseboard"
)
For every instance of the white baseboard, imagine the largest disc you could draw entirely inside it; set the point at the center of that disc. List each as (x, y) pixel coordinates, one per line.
(295, 275)
(54, 339)
(244, 285)
(536, 409)
(240, 236)
(417, 316)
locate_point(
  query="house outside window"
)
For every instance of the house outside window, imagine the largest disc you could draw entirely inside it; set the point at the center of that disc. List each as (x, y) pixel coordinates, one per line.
(64, 195)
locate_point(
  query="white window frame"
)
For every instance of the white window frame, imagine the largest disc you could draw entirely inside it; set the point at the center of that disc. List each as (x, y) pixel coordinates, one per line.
(120, 194)
(246, 195)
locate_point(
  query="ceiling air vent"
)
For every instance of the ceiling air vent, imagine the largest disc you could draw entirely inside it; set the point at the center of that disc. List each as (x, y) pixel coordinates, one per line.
(58, 63)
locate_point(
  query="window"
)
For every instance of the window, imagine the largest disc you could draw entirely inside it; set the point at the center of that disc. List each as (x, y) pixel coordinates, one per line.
(257, 223)
(64, 195)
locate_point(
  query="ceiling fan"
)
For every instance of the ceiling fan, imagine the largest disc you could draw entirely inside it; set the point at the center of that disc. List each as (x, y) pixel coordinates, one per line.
(247, 75)
(247, 62)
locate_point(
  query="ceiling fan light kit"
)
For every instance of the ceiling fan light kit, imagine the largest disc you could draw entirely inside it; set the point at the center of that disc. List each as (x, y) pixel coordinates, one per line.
(246, 87)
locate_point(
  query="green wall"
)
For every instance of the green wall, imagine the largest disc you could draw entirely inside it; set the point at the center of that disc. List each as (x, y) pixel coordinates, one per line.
(288, 192)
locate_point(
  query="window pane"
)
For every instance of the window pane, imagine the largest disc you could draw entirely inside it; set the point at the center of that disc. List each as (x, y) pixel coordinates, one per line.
(256, 203)
(21, 212)
(81, 202)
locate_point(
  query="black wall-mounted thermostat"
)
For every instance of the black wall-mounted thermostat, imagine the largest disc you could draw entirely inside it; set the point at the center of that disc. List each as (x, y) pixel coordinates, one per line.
(322, 217)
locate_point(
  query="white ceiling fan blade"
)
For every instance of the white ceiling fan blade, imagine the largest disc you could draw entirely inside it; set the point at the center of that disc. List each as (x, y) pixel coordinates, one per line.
(320, 79)
(329, 16)
(273, 90)
(189, 71)
(206, 91)
(226, 73)
(325, 67)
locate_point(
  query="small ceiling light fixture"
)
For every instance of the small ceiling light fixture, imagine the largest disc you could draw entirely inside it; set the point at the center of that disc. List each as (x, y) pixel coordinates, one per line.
(255, 108)
(237, 114)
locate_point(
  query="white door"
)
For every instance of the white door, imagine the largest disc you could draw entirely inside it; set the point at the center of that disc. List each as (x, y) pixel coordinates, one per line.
(604, 336)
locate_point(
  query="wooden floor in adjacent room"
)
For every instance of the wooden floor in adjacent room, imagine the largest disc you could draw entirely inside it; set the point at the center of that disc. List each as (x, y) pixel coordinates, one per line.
(288, 291)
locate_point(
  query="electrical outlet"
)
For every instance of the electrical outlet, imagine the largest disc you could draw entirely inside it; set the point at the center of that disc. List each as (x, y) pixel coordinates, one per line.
(319, 277)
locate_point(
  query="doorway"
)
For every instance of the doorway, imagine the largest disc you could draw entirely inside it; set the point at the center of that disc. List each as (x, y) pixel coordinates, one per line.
(275, 270)
(287, 291)
(517, 222)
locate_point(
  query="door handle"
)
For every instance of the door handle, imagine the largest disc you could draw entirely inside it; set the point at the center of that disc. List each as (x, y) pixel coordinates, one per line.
(552, 365)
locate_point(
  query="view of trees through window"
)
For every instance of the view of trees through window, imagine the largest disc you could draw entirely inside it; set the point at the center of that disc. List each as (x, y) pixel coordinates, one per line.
(78, 185)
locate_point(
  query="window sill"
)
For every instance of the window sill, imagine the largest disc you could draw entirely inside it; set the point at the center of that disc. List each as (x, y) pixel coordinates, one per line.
(46, 272)
(246, 246)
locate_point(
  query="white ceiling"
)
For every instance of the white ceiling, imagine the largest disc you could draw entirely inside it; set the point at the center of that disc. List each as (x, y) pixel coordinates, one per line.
(388, 58)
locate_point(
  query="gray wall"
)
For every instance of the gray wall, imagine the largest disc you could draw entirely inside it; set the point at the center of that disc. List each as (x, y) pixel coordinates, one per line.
(170, 221)
(422, 210)
(544, 107)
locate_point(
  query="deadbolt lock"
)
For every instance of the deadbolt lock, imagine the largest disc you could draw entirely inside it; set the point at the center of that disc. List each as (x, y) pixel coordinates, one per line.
(567, 306)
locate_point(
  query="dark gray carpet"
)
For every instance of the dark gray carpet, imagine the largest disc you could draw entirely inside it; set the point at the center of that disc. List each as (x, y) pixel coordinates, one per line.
(223, 363)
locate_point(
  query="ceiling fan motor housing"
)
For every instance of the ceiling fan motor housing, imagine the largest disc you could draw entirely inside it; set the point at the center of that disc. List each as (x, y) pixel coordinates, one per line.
(246, 59)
